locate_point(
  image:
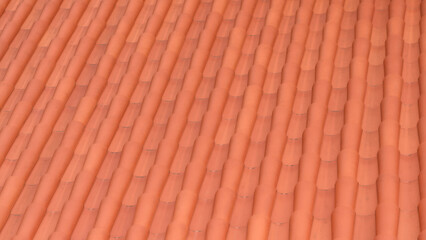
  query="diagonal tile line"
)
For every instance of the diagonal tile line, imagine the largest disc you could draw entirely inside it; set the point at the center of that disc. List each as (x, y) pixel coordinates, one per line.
(12, 129)
(30, 156)
(27, 49)
(250, 110)
(369, 143)
(209, 125)
(348, 157)
(113, 51)
(387, 212)
(117, 189)
(198, 109)
(12, 28)
(174, 119)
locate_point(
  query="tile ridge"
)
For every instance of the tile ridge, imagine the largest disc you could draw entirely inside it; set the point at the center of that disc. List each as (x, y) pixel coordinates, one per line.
(233, 168)
(101, 223)
(163, 160)
(42, 130)
(253, 96)
(409, 142)
(387, 213)
(179, 120)
(183, 163)
(305, 191)
(3, 6)
(24, 110)
(98, 151)
(12, 28)
(34, 89)
(203, 144)
(421, 126)
(133, 148)
(27, 49)
(369, 144)
(348, 159)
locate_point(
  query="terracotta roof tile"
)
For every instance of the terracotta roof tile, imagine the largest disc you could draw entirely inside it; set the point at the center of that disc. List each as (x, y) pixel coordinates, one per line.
(209, 119)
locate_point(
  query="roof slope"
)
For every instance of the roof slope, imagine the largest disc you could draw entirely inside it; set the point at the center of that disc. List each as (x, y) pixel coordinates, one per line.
(212, 119)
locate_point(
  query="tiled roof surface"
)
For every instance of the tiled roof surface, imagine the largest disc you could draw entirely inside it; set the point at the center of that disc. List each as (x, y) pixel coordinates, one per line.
(212, 119)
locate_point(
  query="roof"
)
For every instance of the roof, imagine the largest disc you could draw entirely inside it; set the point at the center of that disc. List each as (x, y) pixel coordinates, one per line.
(202, 119)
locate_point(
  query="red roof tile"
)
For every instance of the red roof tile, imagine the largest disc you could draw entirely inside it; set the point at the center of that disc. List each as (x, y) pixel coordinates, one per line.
(200, 119)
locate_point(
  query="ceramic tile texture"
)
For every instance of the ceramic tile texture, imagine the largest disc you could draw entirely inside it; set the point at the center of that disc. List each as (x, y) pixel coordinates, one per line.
(213, 119)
